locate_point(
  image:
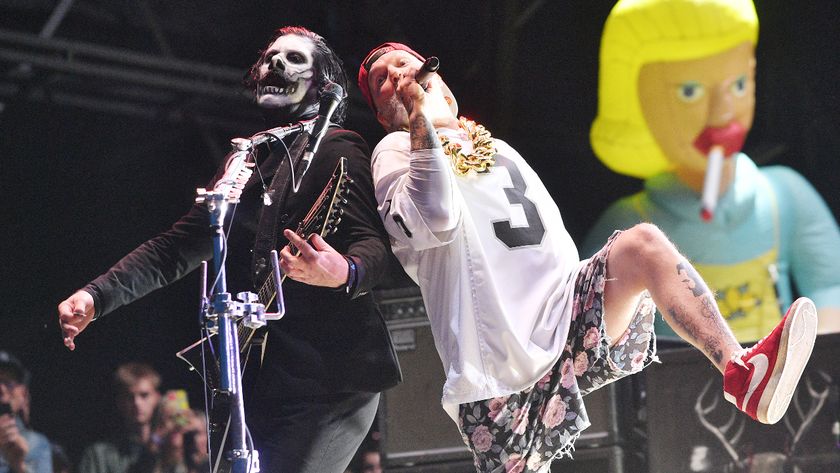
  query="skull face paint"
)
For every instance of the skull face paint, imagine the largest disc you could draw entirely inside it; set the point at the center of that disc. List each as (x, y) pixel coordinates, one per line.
(286, 76)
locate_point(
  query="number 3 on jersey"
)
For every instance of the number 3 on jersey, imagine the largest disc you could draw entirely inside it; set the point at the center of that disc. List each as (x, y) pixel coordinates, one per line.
(532, 233)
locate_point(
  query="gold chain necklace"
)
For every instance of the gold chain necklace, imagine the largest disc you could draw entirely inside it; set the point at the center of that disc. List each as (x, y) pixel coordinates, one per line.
(482, 157)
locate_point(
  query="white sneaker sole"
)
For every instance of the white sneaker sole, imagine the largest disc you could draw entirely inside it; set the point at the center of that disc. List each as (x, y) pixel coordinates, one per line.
(798, 338)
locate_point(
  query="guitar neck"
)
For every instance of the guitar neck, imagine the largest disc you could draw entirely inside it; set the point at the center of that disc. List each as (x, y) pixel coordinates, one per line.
(317, 220)
(268, 290)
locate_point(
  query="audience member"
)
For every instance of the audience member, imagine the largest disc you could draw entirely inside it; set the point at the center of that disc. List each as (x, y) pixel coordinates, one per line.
(368, 458)
(22, 450)
(150, 439)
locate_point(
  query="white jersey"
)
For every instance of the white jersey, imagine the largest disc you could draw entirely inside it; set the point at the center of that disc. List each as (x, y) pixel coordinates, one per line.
(497, 282)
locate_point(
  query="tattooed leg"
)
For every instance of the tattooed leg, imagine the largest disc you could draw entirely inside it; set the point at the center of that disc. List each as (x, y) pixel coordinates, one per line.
(643, 258)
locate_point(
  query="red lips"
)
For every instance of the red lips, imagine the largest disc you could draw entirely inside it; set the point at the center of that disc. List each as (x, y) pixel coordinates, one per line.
(731, 137)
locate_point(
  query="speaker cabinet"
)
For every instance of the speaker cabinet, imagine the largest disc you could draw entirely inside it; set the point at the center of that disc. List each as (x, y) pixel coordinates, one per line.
(611, 411)
(593, 460)
(692, 428)
(415, 429)
(444, 466)
(588, 460)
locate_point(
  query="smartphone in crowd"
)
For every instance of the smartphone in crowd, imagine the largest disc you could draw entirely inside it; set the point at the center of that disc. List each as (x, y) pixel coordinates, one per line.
(175, 406)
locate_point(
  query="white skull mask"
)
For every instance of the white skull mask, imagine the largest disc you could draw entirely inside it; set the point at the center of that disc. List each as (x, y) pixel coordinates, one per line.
(287, 74)
(294, 65)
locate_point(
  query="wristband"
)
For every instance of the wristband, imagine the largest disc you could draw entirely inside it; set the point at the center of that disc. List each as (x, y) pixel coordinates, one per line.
(350, 285)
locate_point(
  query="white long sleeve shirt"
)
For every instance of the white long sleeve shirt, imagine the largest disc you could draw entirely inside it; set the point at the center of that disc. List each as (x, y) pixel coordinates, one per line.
(494, 263)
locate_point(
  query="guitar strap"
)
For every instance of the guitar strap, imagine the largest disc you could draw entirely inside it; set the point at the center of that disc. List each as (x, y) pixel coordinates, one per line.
(267, 228)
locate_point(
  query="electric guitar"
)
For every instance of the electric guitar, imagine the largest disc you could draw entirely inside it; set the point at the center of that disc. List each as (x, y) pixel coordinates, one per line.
(323, 218)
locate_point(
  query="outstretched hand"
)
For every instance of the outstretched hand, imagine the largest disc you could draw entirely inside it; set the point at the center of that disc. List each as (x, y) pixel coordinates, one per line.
(317, 263)
(74, 314)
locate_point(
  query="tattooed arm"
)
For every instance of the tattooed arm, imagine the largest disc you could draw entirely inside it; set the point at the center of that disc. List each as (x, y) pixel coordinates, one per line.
(422, 132)
(414, 184)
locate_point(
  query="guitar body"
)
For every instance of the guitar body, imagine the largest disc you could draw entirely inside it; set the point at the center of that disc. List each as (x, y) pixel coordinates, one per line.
(322, 218)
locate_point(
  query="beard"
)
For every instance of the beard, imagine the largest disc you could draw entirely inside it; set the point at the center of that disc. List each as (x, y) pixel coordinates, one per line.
(395, 113)
(436, 107)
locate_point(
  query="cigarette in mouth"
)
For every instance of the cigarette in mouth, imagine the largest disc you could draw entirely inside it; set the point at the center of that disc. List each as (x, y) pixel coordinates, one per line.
(711, 184)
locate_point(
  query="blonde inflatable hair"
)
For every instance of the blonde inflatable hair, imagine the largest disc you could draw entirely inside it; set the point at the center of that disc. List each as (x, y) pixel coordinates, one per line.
(638, 32)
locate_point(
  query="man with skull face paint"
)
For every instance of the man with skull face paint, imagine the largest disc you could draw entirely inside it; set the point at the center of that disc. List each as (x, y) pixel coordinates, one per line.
(316, 391)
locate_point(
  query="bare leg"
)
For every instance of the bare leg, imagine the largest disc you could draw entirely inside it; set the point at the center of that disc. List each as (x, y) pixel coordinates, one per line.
(643, 258)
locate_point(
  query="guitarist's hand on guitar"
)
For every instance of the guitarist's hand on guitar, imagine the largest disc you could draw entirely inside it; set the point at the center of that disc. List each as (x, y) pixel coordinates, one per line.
(74, 314)
(317, 264)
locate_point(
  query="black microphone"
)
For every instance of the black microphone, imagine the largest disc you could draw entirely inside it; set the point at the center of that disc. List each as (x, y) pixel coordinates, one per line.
(331, 95)
(424, 74)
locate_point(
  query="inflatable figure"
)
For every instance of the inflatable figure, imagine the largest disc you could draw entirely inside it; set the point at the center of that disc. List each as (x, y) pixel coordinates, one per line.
(676, 100)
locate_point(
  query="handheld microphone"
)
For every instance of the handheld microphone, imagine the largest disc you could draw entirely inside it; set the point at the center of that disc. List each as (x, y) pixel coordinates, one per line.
(331, 96)
(424, 74)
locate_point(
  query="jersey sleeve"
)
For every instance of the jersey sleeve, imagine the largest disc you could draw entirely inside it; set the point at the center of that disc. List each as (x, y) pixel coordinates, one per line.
(415, 193)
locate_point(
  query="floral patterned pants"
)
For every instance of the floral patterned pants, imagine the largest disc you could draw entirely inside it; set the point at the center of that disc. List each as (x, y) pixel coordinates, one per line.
(525, 431)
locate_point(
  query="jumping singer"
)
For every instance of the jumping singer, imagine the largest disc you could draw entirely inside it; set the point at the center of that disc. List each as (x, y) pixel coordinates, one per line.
(524, 328)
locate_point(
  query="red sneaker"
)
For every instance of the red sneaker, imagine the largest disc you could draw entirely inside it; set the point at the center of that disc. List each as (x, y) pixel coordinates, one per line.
(761, 381)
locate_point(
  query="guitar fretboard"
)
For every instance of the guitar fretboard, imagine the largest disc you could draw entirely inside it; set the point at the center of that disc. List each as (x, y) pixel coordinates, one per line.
(316, 220)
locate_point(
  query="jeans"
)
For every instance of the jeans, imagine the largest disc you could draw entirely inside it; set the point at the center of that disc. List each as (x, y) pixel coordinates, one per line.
(319, 434)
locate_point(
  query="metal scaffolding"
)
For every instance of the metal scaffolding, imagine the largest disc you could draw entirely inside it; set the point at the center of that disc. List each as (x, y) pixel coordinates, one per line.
(44, 69)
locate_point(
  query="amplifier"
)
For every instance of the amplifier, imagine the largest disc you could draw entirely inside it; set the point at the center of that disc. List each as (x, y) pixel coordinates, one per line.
(590, 460)
(415, 429)
(611, 411)
(691, 428)
(446, 466)
(594, 460)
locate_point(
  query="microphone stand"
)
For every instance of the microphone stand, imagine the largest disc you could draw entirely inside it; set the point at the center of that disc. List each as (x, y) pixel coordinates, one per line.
(222, 313)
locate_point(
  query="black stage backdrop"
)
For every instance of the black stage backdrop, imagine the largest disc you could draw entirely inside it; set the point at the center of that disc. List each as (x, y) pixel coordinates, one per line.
(82, 186)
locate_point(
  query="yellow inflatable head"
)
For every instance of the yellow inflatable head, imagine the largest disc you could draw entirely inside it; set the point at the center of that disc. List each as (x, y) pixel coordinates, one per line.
(639, 32)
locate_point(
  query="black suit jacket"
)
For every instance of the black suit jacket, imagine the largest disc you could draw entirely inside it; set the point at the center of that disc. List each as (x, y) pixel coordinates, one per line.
(329, 341)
